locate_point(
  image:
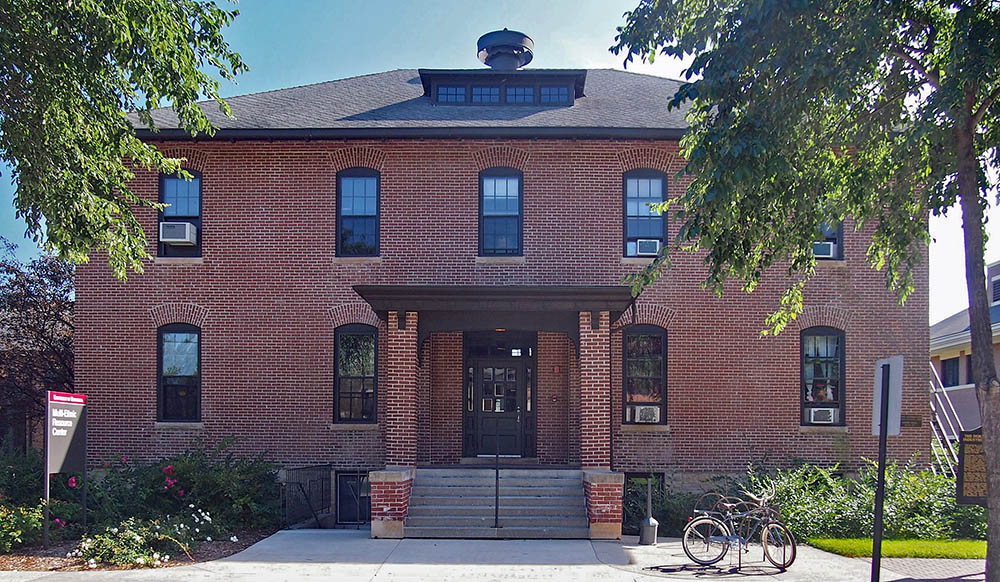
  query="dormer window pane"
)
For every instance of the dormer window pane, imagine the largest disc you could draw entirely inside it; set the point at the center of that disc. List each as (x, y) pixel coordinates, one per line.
(555, 94)
(486, 94)
(451, 94)
(520, 94)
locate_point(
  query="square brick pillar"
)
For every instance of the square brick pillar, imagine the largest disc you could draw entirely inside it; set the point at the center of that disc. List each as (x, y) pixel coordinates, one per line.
(595, 390)
(390, 500)
(399, 394)
(603, 490)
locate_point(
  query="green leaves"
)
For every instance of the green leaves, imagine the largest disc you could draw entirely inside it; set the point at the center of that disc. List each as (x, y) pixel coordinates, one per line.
(804, 113)
(69, 74)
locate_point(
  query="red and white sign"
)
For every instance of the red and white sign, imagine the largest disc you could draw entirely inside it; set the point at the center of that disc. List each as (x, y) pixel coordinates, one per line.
(67, 398)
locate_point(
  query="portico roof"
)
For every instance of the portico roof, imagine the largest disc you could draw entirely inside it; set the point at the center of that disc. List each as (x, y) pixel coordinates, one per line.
(382, 298)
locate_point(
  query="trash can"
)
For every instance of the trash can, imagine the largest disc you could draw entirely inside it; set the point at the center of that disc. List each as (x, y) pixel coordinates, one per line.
(647, 531)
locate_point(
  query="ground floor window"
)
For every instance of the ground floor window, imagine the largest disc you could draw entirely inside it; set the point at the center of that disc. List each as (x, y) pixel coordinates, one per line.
(949, 372)
(354, 498)
(645, 371)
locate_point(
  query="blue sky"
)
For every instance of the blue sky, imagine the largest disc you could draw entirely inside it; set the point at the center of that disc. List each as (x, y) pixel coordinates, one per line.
(297, 42)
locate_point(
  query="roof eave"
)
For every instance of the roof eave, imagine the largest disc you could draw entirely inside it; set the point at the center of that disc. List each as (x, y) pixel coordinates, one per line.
(237, 134)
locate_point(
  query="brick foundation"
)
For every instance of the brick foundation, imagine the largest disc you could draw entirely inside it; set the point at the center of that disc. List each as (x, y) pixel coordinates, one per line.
(390, 500)
(603, 491)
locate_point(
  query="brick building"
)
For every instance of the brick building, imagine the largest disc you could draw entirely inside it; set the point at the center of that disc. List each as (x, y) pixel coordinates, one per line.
(423, 269)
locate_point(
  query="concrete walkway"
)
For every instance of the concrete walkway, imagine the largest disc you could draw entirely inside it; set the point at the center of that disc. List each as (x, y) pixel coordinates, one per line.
(348, 555)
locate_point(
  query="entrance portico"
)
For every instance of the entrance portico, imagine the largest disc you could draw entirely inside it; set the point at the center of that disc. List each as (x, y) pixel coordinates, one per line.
(533, 385)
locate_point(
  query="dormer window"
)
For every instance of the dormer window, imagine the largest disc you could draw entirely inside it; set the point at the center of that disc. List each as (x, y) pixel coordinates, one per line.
(485, 94)
(520, 94)
(451, 94)
(555, 94)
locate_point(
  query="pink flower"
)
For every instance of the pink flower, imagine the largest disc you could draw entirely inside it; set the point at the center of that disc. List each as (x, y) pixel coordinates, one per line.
(124, 459)
(72, 482)
(59, 523)
(168, 470)
(106, 463)
(181, 493)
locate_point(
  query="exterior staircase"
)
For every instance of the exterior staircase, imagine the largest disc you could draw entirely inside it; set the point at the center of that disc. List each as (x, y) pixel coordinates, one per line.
(534, 503)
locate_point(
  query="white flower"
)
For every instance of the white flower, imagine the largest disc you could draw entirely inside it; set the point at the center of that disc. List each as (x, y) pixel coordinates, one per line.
(208, 519)
(196, 530)
(139, 560)
(208, 538)
(165, 557)
(114, 530)
(191, 505)
(92, 565)
(156, 556)
(233, 539)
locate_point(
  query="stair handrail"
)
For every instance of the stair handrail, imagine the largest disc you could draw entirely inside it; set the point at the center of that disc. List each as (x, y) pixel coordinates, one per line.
(937, 389)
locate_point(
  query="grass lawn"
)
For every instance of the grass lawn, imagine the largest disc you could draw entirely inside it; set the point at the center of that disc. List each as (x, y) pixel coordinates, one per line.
(862, 548)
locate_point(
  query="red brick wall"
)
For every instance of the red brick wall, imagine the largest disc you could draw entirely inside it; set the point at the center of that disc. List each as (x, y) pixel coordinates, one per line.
(399, 392)
(604, 502)
(553, 398)
(446, 398)
(390, 500)
(269, 293)
(595, 428)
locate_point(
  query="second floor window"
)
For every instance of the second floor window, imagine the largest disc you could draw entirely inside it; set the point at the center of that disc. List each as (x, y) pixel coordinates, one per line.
(183, 200)
(180, 373)
(831, 245)
(500, 204)
(645, 229)
(358, 213)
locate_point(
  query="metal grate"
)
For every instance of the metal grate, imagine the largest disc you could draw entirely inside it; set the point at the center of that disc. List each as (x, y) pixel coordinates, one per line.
(307, 494)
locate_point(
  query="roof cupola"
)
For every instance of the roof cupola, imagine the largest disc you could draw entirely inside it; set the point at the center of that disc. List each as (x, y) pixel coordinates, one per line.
(505, 50)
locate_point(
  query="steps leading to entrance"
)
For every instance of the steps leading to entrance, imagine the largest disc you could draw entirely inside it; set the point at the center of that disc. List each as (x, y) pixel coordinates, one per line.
(534, 504)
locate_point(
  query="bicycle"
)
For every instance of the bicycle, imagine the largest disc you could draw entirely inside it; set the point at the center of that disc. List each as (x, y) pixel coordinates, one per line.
(708, 536)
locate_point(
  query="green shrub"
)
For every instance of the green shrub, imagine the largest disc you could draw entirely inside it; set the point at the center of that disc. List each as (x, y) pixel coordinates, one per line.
(19, 526)
(816, 502)
(21, 478)
(670, 508)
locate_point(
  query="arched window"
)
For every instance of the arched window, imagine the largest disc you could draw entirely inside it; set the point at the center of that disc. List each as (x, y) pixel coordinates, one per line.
(644, 388)
(358, 201)
(822, 376)
(501, 208)
(183, 200)
(645, 230)
(179, 355)
(356, 375)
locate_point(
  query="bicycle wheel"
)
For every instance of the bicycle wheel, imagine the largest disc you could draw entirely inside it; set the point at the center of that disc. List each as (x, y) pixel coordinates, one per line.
(779, 545)
(705, 540)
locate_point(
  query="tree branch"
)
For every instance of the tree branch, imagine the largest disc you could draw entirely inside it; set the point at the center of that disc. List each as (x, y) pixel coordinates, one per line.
(932, 78)
(977, 117)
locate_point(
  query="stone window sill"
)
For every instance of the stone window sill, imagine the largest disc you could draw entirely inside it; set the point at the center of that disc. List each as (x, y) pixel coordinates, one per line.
(835, 264)
(500, 260)
(179, 260)
(347, 426)
(357, 260)
(637, 260)
(179, 425)
(823, 430)
(645, 428)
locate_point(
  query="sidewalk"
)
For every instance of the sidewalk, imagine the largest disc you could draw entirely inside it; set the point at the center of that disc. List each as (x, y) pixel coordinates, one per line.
(349, 555)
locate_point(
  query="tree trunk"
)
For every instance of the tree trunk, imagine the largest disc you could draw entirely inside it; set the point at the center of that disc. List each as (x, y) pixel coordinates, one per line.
(984, 372)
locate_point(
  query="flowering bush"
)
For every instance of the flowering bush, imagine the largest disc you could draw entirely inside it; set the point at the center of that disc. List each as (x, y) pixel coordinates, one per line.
(19, 525)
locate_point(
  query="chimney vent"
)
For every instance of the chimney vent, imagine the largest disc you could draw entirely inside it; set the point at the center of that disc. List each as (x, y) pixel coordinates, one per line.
(505, 50)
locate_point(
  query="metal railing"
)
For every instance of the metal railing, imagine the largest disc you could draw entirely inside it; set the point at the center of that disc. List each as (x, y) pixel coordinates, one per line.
(307, 494)
(945, 427)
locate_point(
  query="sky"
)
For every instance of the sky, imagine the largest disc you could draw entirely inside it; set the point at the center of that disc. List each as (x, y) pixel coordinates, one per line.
(296, 42)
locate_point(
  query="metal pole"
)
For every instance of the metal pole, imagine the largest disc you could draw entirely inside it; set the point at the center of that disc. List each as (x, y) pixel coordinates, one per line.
(45, 469)
(880, 488)
(496, 472)
(83, 414)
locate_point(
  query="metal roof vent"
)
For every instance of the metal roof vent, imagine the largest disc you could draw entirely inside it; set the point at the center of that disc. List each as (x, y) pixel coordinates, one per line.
(505, 50)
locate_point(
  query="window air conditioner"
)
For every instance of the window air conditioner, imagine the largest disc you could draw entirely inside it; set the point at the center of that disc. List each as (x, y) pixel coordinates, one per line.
(649, 414)
(822, 415)
(647, 247)
(825, 250)
(178, 233)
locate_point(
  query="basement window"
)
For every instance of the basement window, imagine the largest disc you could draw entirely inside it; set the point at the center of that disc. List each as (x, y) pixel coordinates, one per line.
(354, 498)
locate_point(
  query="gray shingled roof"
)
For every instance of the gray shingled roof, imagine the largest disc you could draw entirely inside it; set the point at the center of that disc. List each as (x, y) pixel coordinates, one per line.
(615, 103)
(959, 322)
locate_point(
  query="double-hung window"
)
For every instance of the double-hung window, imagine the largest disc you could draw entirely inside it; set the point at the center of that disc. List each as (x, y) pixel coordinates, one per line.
(356, 375)
(645, 229)
(183, 206)
(831, 242)
(949, 372)
(179, 393)
(645, 375)
(822, 376)
(500, 214)
(358, 213)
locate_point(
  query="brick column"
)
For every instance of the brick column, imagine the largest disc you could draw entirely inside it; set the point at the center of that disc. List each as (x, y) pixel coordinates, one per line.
(595, 391)
(390, 500)
(603, 490)
(399, 395)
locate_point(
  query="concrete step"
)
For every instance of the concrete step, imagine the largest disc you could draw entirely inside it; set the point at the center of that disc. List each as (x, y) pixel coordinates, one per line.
(502, 533)
(465, 481)
(423, 510)
(458, 472)
(505, 500)
(455, 521)
(479, 491)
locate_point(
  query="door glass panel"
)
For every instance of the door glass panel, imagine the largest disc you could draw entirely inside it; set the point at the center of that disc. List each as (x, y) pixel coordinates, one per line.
(498, 389)
(498, 405)
(488, 374)
(511, 375)
(527, 378)
(487, 404)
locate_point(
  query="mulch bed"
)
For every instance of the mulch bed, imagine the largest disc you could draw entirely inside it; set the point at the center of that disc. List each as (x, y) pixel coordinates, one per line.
(35, 558)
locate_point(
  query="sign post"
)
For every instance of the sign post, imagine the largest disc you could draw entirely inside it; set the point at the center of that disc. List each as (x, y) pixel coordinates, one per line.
(887, 403)
(65, 444)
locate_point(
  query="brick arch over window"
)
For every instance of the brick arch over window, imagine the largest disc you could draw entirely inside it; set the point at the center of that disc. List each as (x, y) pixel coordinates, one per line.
(191, 158)
(647, 314)
(501, 157)
(826, 316)
(189, 313)
(348, 313)
(360, 157)
(650, 159)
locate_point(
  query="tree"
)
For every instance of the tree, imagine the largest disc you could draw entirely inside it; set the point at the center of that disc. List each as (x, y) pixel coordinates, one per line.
(69, 73)
(805, 113)
(36, 333)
